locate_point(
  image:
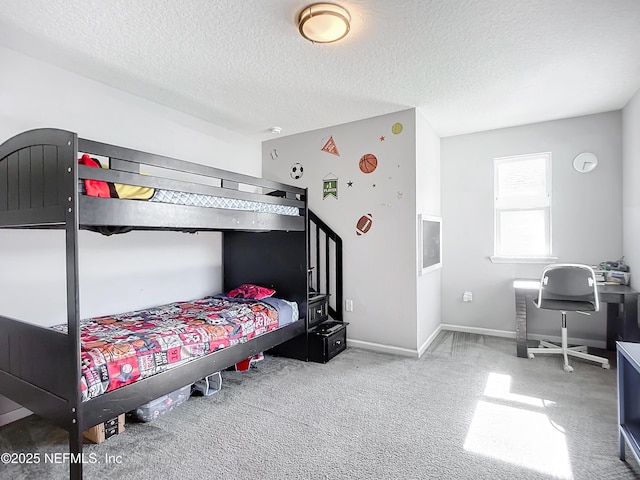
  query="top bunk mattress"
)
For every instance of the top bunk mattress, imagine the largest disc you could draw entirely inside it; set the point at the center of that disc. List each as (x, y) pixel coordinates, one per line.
(117, 350)
(211, 201)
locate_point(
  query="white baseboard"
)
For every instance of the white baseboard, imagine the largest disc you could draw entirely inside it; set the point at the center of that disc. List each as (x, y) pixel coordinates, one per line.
(530, 336)
(479, 331)
(14, 415)
(405, 352)
(378, 347)
(429, 341)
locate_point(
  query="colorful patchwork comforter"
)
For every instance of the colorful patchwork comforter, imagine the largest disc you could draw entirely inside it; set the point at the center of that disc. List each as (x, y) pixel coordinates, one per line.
(120, 349)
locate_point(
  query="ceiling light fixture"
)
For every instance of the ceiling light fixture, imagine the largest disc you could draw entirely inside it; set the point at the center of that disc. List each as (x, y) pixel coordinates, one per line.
(324, 23)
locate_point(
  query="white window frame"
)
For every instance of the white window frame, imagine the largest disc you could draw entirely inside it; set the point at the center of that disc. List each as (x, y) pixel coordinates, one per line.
(522, 204)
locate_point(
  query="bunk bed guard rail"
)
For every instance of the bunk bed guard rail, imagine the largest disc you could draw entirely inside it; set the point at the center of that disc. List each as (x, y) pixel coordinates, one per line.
(39, 182)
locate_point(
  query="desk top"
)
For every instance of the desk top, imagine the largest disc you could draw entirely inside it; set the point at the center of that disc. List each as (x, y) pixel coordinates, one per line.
(631, 351)
(534, 284)
(617, 289)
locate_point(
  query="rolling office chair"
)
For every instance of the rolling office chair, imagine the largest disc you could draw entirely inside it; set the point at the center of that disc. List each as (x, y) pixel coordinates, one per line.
(568, 288)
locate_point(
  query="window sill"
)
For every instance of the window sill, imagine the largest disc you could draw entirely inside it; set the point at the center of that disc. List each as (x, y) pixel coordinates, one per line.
(540, 260)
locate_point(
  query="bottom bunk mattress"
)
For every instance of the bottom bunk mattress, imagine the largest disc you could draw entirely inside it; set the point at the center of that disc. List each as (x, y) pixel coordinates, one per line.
(120, 349)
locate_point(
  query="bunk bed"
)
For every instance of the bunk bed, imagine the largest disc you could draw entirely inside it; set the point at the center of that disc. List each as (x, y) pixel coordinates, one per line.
(42, 186)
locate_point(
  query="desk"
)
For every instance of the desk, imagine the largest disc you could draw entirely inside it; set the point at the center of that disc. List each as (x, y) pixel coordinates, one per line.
(622, 312)
(628, 395)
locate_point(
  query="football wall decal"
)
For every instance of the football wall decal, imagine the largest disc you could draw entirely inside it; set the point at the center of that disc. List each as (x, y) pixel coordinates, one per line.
(364, 224)
(297, 170)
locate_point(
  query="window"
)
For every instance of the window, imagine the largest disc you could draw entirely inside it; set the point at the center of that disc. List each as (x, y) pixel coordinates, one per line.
(522, 186)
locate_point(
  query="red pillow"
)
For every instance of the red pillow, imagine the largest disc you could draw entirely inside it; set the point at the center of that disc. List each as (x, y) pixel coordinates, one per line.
(248, 290)
(94, 188)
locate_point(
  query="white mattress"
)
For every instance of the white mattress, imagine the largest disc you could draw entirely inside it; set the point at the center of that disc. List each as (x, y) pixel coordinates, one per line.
(210, 201)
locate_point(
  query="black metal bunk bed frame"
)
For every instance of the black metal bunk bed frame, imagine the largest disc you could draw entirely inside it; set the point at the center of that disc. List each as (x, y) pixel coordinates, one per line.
(39, 178)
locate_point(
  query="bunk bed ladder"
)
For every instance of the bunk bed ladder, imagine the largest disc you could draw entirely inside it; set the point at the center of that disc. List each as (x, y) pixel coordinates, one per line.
(325, 263)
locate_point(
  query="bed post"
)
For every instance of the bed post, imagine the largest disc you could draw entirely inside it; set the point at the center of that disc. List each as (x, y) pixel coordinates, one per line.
(69, 154)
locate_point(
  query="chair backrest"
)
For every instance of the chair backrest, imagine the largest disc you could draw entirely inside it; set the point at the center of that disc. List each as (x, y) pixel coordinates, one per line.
(568, 286)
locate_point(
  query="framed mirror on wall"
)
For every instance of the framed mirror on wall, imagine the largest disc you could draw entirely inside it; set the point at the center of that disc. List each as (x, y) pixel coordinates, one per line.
(430, 243)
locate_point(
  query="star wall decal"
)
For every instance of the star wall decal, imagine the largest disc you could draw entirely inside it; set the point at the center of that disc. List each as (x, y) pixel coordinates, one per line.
(382, 138)
(400, 194)
(349, 183)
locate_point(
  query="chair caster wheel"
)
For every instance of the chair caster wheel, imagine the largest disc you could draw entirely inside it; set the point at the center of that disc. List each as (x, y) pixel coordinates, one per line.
(531, 356)
(606, 366)
(568, 368)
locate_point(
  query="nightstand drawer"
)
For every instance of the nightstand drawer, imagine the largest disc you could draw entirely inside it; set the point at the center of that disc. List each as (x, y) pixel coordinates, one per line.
(318, 309)
(326, 341)
(336, 343)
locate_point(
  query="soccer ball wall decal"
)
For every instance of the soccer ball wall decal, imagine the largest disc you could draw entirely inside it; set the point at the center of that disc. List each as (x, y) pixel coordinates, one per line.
(297, 170)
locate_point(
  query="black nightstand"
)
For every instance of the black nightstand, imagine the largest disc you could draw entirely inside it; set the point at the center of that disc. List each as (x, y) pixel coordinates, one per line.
(324, 338)
(327, 340)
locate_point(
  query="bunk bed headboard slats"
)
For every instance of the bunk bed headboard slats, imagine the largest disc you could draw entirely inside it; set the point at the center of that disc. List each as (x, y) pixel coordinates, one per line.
(32, 179)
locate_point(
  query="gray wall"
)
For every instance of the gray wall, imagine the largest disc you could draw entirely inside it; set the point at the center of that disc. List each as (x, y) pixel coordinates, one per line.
(120, 272)
(380, 267)
(586, 218)
(631, 188)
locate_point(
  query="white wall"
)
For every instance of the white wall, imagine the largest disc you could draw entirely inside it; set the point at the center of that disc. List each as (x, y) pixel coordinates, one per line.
(586, 218)
(121, 272)
(631, 188)
(379, 266)
(428, 192)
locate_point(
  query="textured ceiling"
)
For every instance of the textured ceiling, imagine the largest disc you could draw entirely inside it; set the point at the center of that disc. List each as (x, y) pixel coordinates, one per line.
(468, 65)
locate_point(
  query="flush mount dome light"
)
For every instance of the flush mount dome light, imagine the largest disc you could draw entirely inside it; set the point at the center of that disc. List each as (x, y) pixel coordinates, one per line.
(324, 23)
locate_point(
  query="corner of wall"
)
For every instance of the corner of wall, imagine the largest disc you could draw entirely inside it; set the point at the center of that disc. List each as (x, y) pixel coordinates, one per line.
(630, 190)
(371, 163)
(428, 202)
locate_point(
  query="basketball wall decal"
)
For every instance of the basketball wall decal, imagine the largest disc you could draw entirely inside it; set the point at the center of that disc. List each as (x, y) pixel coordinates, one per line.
(364, 224)
(368, 163)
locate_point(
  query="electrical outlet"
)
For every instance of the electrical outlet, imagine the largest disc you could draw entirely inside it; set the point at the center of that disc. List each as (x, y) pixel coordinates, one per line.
(348, 305)
(467, 296)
